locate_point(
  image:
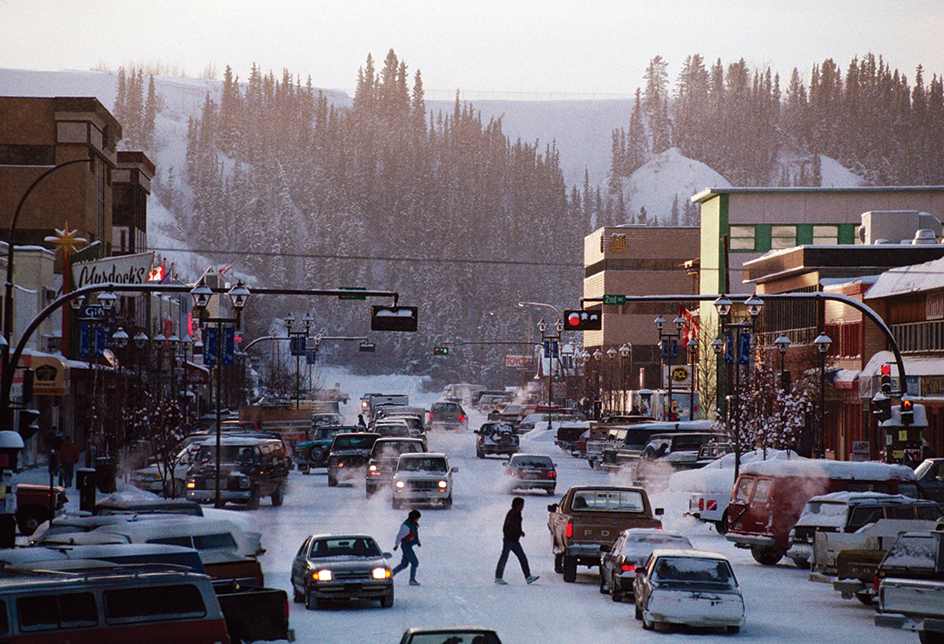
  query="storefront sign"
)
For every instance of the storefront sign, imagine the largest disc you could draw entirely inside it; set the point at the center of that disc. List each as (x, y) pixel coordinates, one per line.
(126, 269)
(50, 376)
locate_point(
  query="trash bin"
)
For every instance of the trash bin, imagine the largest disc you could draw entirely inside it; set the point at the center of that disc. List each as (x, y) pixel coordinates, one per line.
(105, 474)
(85, 482)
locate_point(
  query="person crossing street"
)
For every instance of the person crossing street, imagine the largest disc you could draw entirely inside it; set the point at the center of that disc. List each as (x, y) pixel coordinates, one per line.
(409, 537)
(511, 542)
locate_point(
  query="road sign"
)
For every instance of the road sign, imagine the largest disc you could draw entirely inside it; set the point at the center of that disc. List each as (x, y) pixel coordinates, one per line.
(352, 296)
(614, 300)
(93, 312)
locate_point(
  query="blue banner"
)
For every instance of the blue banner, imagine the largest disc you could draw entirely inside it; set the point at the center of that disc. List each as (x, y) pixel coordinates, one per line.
(209, 346)
(297, 345)
(744, 355)
(669, 349)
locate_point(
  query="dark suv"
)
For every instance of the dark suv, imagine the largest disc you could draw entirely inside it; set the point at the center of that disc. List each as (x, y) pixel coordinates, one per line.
(447, 415)
(250, 468)
(383, 460)
(349, 455)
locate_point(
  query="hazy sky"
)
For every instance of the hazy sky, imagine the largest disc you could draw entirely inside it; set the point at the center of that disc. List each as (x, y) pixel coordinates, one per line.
(488, 48)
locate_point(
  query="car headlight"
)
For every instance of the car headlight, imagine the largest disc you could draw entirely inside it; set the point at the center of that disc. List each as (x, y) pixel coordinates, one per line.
(372, 468)
(322, 575)
(443, 484)
(244, 483)
(380, 573)
(400, 485)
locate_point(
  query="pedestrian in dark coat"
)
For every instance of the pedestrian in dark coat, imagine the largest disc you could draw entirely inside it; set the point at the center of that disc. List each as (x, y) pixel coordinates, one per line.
(511, 536)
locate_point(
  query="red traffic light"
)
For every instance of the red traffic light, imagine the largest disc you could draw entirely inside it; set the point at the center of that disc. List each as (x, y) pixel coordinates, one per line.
(580, 320)
(886, 370)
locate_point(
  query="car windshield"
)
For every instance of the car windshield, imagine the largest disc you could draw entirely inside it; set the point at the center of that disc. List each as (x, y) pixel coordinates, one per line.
(327, 433)
(343, 547)
(693, 570)
(228, 454)
(608, 500)
(531, 461)
(393, 449)
(422, 465)
(454, 637)
(353, 441)
(649, 542)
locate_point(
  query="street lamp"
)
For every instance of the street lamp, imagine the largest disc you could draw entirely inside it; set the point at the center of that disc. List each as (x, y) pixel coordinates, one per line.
(822, 343)
(551, 347)
(692, 346)
(717, 345)
(201, 295)
(297, 342)
(668, 342)
(611, 354)
(625, 351)
(783, 343)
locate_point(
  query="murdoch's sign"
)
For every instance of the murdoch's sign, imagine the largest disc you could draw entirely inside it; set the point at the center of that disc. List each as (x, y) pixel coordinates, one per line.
(126, 269)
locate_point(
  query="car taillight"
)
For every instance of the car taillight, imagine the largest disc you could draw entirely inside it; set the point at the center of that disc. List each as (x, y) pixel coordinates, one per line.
(430, 416)
(552, 474)
(701, 504)
(569, 530)
(878, 584)
(627, 567)
(462, 418)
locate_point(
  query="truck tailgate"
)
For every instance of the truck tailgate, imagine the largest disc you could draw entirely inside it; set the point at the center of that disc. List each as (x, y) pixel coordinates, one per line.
(912, 597)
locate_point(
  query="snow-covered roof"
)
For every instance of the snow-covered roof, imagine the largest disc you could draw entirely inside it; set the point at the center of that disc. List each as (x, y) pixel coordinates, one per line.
(855, 498)
(817, 468)
(918, 278)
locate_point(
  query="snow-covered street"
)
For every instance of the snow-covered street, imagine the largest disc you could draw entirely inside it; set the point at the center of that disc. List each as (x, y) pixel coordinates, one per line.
(461, 546)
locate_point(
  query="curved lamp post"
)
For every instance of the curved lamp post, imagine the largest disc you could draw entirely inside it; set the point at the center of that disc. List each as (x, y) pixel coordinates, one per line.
(822, 343)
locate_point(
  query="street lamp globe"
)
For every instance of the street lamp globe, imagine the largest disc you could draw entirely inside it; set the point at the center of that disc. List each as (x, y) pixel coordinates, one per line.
(120, 338)
(597, 355)
(77, 303)
(107, 301)
(140, 339)
(625, 350)
(723, 305)
(201, 295)
(679, 323)
(559, 326)
(783, 343)
(238, 295)
(585, 355)
(692, 345)
(542, 326)
(173, 341)
(822, 343)
(754, 304)
(660, 322)
(611, 353)
(289, 322)
(308, 321)
(717, 345)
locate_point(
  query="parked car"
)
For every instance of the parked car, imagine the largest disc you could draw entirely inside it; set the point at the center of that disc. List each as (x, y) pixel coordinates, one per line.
(630, 550)
(910, 585)
(314, 453)
(846, 512)
(447, 415)
(625, 442)
(667, 453)
(768, 497)
(531, 472)
(349, 455)
(495, 438)
(172, 483)
(465, 635)
(125, 503)
(250, 469)
(930, 473)
(423, 478)
(688, 587)
(341, 567)
(382, 462)
(32, 505)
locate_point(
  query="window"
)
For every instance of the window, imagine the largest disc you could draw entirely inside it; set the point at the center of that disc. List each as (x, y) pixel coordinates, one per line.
(156, 603)
(825, 235)
(744, 488)
(53, 612)
(782, 237)
(742, 238)
(762, 491)
(608, 500)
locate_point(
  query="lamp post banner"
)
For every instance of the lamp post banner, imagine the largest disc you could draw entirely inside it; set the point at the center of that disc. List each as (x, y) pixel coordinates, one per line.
(127, 269)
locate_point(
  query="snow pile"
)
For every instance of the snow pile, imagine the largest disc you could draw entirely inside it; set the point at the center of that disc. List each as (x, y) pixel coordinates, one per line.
(664, 177)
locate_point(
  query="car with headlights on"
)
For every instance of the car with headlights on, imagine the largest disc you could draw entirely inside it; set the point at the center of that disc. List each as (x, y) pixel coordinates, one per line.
(383, 460)
(341, 567)
(690, 588)
(531, 472)
(630, 550)
(348, 456)
(450, 635)
(423, 478)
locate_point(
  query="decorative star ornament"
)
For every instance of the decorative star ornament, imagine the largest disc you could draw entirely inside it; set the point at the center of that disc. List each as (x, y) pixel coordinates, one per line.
(66, 240)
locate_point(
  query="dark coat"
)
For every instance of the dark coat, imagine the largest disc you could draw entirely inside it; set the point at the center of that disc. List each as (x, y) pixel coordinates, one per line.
(512, 528)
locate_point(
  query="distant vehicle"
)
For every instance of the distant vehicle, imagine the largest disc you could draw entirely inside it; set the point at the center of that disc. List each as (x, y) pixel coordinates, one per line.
(618, 564)
(671, 452)
(314, 452)
(688, 587)
(625, 443)
(370, 402)
(171, 483)
(531, 472)
(341, 567)
(250, 468)
(467, 635)
(495, 438)
(32, 505)
(348, 456)
(423, 478)
(447, 415)
(383, 459)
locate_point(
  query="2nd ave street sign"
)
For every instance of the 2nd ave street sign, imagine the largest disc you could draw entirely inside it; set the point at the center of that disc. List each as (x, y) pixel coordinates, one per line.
(614, 300)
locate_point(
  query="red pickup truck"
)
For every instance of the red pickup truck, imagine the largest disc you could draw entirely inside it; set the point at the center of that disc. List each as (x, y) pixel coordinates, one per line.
(32, 505)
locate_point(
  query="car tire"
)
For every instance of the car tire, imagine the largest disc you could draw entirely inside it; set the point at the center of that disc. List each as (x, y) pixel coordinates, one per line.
(867, 599)
(767, 555)
(721, 527)
(550, 491)
(734, 630)
(930, 637)
(311, 600)
(558, 563)
(369, 490)
(277, 496)
(479, 453)
(570, 569)
(304, 469)
(29, 518)
(396, 504)
(802, 564)
(603, 588)
(615, 595)
(447, 502)
(332, 482)
(387, 600)
(252, 503)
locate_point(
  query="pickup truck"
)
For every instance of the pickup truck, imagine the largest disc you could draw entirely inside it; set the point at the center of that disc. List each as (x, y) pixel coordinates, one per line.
(254, 614)
(910, 583)
(588, 519)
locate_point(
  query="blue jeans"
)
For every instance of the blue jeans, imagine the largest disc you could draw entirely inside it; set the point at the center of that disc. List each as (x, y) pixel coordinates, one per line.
(515, 547)
(409, 559)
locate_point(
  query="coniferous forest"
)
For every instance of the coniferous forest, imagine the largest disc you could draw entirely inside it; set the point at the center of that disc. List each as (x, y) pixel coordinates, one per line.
(444, 208)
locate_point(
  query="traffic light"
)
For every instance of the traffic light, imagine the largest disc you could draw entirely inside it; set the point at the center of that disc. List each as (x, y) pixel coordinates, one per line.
(906, 412)
(881, 408)
(393, 318)
(580, 320)
(886, 379)
(440, 351)
(28, 423)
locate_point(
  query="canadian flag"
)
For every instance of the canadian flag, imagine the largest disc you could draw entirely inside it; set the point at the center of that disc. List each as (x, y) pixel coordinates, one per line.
(156, 274)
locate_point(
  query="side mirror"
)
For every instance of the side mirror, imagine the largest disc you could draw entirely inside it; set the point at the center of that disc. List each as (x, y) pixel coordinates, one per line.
(454, 470)
(552, 507)
(660, 512)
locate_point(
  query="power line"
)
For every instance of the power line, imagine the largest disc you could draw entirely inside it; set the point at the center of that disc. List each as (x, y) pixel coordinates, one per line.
(370, 258)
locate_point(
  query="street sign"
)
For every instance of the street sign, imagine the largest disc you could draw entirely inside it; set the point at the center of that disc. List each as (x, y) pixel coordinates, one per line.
(297, 345)
(614, 300)
(93, 312)
(352, 296)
